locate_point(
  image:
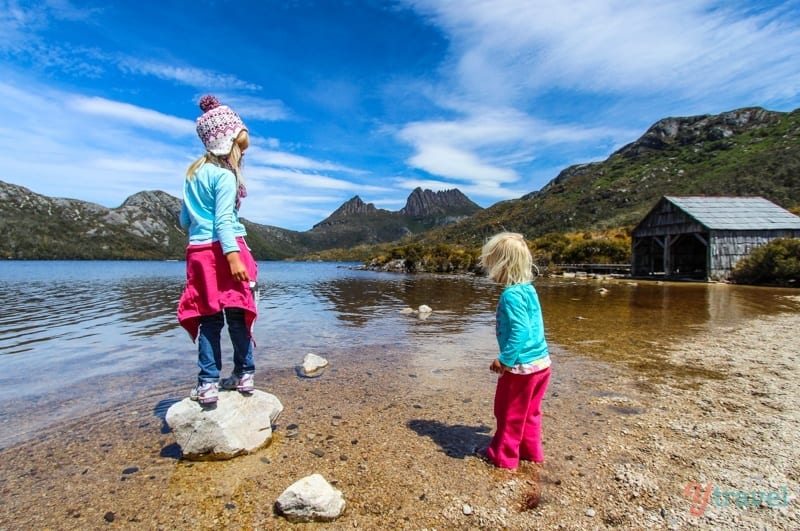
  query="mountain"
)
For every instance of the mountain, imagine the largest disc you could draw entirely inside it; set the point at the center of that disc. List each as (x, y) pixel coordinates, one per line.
(146, 226)
(745, 152)
(38, 227)
(355, 222)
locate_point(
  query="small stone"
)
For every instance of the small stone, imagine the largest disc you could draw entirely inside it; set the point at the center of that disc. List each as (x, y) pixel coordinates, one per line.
(318, 452)
(109, 516)
(466, 509)
(130, 470)
(311, 499)
(313, 364)
(590, 512)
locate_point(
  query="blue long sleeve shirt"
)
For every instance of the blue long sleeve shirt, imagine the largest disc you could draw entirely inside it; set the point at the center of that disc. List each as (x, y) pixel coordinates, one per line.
(520, 328)
(209, 208)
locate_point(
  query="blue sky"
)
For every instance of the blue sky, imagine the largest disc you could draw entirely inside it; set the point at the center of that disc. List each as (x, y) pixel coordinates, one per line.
(369, 98)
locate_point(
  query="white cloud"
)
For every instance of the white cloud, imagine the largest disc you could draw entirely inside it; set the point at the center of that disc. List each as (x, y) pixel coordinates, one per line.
(511, 50)
(453, 163)
(187, 75)
(290, 160)
(490, 146)
(253, 108)
(133, 115)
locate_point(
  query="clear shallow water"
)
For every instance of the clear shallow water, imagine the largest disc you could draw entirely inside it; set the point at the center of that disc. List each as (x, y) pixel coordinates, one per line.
(78, 336)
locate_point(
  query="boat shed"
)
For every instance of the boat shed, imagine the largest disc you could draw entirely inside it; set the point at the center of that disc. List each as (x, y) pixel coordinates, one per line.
(704, 237)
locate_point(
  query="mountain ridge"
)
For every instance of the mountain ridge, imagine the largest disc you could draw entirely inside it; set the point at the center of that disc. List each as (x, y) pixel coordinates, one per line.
(749, 151)
(146, 226)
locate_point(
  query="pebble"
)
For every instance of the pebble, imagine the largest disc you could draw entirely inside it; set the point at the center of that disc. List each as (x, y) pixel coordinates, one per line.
(466, 509)
(590, 512)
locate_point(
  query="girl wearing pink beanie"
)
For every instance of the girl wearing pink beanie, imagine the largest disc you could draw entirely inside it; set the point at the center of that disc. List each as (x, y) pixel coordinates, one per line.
(220, 270)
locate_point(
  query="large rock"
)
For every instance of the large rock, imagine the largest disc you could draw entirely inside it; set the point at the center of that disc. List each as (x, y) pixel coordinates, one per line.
(311, 499)
(239, 424)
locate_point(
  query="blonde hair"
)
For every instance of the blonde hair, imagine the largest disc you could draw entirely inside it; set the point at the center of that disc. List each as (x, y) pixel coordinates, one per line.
(232, 162)
(507, 259)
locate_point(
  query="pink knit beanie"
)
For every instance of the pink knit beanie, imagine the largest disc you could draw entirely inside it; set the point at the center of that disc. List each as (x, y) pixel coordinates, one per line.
(218, 126)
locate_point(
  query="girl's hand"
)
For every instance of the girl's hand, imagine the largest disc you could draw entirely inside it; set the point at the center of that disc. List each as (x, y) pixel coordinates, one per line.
(238, 271)
(497, 367)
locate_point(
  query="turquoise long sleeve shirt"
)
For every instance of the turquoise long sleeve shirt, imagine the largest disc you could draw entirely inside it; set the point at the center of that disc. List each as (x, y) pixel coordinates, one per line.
(209, 208)
(520, 328)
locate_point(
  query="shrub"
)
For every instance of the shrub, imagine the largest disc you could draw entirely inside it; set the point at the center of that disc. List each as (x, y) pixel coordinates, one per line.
(597, 252)
(777, 263)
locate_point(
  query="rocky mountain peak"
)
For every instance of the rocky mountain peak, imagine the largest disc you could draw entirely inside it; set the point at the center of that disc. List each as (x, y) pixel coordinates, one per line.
(690, 130)
(427, 203)
(352, 208)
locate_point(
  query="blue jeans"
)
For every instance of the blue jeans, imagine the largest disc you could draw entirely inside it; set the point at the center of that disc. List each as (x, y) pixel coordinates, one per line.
(209, 351)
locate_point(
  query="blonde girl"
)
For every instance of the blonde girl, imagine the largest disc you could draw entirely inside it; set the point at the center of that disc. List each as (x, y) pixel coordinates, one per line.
(220, 271)
(523, 362)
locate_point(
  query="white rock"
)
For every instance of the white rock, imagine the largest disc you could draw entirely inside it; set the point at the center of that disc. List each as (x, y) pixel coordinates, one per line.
(311, 499)
(238, 424)
(313, 363)
(406, 311)
(424, 308)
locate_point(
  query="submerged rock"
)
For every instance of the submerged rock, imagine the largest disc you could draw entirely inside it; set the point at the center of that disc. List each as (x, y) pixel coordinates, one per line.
(311, 499)
(237, 424)
(422, 312)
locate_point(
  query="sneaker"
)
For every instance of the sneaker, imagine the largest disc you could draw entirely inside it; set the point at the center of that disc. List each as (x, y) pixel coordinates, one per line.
(205, 393)
(243, 383)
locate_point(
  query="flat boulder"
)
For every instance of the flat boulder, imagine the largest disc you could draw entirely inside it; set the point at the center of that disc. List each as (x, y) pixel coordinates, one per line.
(311, 499)
(237, 424)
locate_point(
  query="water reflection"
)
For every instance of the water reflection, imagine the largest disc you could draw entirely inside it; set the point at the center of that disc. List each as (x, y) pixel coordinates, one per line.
(70, 323)
(635, 322)
(359, 301)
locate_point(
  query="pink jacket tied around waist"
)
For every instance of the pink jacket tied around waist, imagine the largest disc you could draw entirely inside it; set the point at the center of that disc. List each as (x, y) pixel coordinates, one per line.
(210, 288)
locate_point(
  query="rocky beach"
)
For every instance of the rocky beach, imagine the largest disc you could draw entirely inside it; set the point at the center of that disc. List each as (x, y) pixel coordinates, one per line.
(712, 447)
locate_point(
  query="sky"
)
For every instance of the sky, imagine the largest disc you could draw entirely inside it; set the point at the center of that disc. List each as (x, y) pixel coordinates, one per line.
(98, 99)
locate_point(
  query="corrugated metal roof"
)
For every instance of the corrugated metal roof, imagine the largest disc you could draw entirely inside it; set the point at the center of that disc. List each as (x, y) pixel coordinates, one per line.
(736, 213)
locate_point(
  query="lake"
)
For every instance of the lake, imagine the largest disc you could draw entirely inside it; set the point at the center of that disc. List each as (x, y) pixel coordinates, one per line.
(78, 337)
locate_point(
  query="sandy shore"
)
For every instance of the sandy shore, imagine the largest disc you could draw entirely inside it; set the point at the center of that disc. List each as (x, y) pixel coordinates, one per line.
(397, 440)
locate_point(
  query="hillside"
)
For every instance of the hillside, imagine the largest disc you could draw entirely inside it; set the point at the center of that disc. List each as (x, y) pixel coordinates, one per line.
(146, 226)
(744, 152)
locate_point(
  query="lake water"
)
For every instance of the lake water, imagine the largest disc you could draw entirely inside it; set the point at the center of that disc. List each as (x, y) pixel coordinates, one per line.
(76, 337)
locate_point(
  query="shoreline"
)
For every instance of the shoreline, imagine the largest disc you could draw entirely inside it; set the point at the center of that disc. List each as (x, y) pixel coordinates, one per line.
(622, 449)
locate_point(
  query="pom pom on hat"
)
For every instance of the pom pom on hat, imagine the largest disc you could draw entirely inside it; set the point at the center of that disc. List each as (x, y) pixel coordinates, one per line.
(218, 126)
(209, 102)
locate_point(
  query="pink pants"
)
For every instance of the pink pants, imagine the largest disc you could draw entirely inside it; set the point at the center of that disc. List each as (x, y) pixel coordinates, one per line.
(519, 419)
